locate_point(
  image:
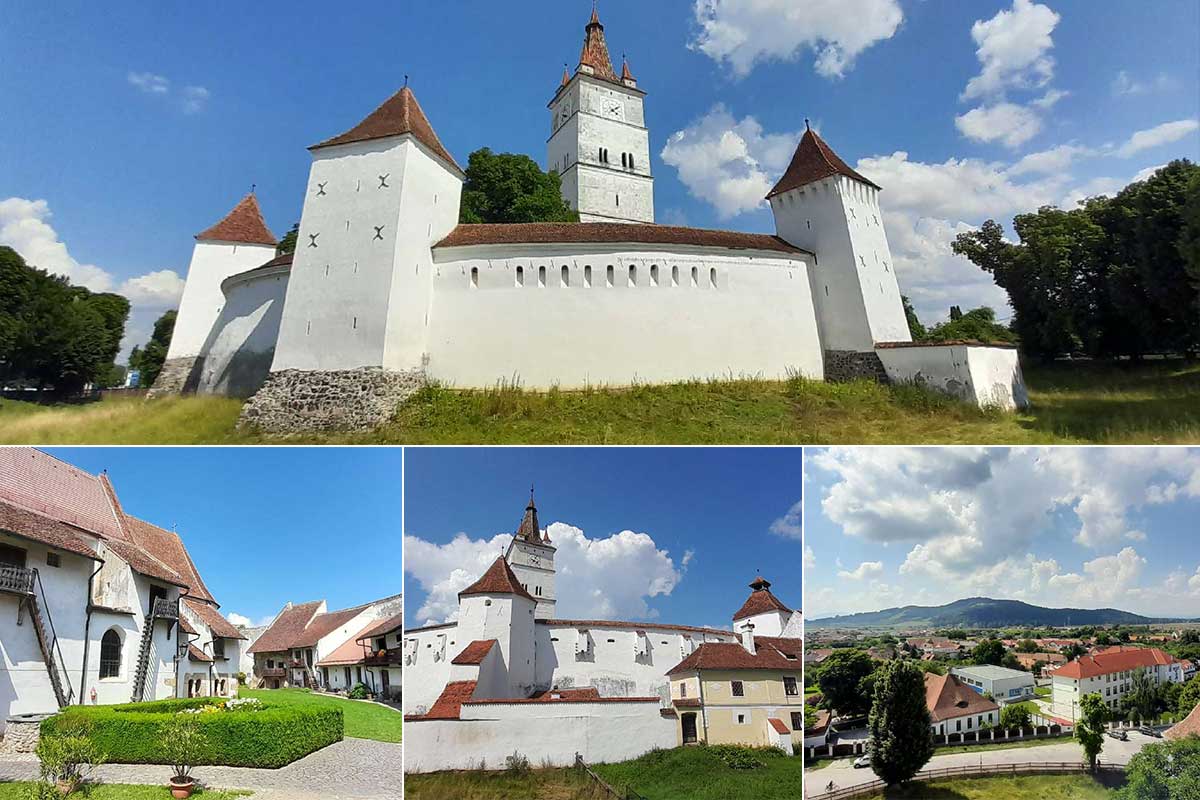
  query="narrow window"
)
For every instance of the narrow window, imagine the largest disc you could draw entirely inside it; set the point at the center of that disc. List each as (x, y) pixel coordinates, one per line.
(695, 277)
(474, 277)
(566, 277)
(623, 161)
(618, 201)
(110, 654)
(541, 277)
(631, 160)
(609, 276)
(738, 689)
(520, 276)
(587, 276)
(712, 277)
(632, 275)
(308, 328)
(675, 276)
(53, 560)
(789, 686)
(654, 274)
(354, 325)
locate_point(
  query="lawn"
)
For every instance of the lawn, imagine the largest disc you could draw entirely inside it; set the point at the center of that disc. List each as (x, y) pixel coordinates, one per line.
(115, 791)
(538, 784)
(1042, 787)
(363, 720)
(1153, 402)
(1041, 691)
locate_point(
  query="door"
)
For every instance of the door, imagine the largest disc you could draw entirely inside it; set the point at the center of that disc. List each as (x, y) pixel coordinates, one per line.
(689, 728)
(156, 593)
(12, 556)
(386, 683)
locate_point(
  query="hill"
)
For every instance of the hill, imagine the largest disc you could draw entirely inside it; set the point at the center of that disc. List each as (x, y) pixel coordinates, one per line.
(984, 612)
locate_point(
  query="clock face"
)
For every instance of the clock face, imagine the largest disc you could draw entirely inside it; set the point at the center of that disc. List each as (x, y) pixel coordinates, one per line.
(613, 109)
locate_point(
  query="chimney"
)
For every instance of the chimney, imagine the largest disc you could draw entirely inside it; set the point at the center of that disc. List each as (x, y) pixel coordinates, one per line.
(748, 637)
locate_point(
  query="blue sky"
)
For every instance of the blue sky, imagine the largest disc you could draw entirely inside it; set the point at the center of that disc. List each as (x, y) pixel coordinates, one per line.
(1085, 527)
(266, 525)
(674, 534)
(129, 128)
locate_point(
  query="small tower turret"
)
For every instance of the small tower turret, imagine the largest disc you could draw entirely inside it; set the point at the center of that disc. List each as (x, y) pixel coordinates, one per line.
(531, 555)
(822, 205)
(762, 611)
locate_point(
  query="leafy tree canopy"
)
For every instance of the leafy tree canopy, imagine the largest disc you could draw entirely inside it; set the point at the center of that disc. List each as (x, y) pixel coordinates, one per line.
(841, 680)
(1163, 771)
(149, 359)
(900, 744)
(288, 243)
(511, 187)
(989, 651)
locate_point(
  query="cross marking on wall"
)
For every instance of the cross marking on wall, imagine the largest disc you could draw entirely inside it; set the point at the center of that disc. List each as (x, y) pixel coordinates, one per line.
(383, 180)
(379, 232)
(321, 188)
(312, 239)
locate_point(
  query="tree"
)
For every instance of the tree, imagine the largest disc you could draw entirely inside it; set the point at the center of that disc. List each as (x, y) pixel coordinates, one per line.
(1189, 239)
(1026, 646)
(1015, 716)
(1089, 729)
(989, 651)
(915, 328)
(510, 187)
(978, 324)
(899, 724)
(149, 359)
(1189, 696)
(1009, 661)
(1163, 771)
(1141, 701)
(1073, 651)
(841, 680)
(288, 243)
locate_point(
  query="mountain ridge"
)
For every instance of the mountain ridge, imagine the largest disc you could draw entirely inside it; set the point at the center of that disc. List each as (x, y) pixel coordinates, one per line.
(987, 612)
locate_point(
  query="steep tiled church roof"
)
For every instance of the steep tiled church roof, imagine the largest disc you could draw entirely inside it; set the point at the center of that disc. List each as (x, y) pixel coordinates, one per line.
(1189, 727)
(243, 224)
(812, 161)
(529, 529)
(595, 50)
(760, 601)
(213, 619)
(290, 623)
(499, 579)
(399, 114)
(37, 528)
(771, 653)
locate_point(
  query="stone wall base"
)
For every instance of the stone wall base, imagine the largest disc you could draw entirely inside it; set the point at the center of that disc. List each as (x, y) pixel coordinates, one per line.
(21, 736)
(842, 366)
(178, 376)
(301, 401)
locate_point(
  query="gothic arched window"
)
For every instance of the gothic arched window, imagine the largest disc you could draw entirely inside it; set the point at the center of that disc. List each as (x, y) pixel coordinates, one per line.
(110, 654)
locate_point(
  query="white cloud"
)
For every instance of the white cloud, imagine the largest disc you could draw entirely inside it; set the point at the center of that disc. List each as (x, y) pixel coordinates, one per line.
(609, 578)
(1105, 578)
(149, 83)
(1008, 123)
(1158, 135)
(190, 99)
(246, 622)
(1013, 49)
(1050, 98)
(790, 525)
(810, 558)
(1049, 162)
(729, 163)
(1124, 84)
(744, 33)
(25, 227)
(194, 99)
(867, 569)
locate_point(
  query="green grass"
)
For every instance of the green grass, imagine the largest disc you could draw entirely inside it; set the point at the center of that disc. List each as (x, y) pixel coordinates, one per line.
(1042, 691)
(363, 720)
(697, 773)
(1150, 403)
(1023, 743)
(1042, 787)
(117, 791)
(538, 784)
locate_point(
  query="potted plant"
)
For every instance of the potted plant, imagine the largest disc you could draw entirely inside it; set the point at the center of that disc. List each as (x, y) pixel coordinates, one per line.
(183, 743)
(66, 758)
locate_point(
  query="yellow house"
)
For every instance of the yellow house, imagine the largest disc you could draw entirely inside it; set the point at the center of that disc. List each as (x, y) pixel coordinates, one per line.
(747, 693)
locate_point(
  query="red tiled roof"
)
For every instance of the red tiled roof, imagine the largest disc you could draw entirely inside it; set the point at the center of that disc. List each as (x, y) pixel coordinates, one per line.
(350, 651)
(641, 626)
(209, 615)
(549, 697)
(529, 529)
(583, 693)
(812, 161)
(946, 343)
(595, 50)
(1114, 659)
(399, 114)
(186, 627)
(35, 527)
(167, 548)
(947, 697)
(760, 601)
(284, 260)
(475, 652)
(771, 653)
(196, 654)
(384, 627)
(822, 723)
(1190, 726)
(243, 224)
(42, 483)
(324, 624)
(499, 579)
(287, 626)
(449, 703)
(778, 725)
(626, 75)
(610, 233)
(142, 562)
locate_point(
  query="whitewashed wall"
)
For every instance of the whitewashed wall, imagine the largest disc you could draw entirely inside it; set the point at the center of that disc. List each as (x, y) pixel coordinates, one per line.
(202, 301)
(757, 320)
(241, 345)
(542, 732)
(986, 376)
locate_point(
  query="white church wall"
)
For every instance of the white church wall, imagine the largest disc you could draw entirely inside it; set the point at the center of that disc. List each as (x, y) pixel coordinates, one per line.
(487, 324)
(202, 300)
(543, 732)
(608, 194)
(241, 345)
(985, 376)
(427, 664)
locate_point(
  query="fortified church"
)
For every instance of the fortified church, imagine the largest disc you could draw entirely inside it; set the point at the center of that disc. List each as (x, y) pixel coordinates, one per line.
(387, 291)
(598, 687)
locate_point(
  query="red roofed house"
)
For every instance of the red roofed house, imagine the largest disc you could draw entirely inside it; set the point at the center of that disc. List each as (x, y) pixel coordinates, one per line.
(1108, 673)
(308, 645)
(955, 707)
(386, 289)
(96, 605)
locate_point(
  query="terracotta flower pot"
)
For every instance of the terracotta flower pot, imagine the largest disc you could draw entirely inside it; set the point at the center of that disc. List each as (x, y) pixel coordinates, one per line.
(67, 786)
(182, 789)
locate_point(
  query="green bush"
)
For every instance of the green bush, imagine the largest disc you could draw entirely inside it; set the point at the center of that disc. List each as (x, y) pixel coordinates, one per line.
(272, 736)
(737, 756)
(359, 692)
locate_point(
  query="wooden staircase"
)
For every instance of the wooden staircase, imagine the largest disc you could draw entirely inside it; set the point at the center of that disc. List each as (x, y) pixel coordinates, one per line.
(162, 609)
(27, 584)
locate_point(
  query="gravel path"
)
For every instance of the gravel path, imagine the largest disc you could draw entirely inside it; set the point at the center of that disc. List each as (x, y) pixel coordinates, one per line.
(353, 769)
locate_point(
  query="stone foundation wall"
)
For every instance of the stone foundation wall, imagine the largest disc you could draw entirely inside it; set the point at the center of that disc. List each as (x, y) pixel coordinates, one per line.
(842, 366)
(299, 401)
(20, 737)
(179, 375)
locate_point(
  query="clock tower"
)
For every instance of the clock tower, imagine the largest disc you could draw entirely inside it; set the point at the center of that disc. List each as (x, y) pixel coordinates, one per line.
(531, 556)
(598, 143)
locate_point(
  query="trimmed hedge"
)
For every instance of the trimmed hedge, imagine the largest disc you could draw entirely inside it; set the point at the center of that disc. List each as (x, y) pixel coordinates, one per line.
(273, 736)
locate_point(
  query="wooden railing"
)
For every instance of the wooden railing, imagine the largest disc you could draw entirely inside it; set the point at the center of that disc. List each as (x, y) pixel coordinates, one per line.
(383, 658)
(969, 771)
(273, 672)
(164, 609)
(16, 579)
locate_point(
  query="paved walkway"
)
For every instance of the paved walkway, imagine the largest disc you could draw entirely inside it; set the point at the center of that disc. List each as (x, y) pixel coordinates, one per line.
(353, 769)
(844, 775)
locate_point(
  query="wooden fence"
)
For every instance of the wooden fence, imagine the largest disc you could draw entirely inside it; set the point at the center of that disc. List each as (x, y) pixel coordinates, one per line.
(607, 788)
(968, 771)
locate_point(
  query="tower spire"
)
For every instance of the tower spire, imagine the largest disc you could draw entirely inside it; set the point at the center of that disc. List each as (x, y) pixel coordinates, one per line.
(594, 59)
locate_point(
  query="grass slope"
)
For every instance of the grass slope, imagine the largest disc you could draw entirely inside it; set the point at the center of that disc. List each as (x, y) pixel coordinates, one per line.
(363, 720)
(116, 791)
(1151, 403)
(1042, 787)
(538, 784)
(697, 773)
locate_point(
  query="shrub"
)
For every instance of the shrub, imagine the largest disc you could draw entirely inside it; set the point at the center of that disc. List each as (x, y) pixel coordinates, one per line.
(270, 737)
(67, 757)
(359, 692)
(739, 757)
(182, 743)
(516, 765)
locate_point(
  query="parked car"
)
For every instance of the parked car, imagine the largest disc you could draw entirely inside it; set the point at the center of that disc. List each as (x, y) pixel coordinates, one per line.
(1146, 730)
(862, 761)
(1119, 734)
